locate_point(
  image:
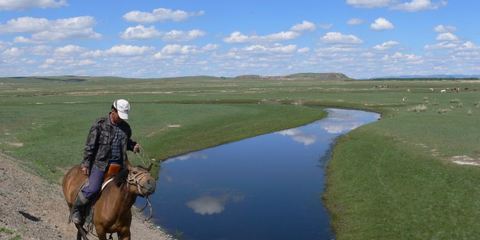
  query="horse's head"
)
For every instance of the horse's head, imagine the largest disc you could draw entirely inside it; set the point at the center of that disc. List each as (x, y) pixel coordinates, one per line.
(140, 180)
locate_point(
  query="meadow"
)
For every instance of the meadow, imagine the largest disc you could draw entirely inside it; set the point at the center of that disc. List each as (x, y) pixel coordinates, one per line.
(394, 179)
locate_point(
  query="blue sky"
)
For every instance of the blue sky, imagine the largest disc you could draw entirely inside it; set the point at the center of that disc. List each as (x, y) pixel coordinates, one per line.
(153, 38)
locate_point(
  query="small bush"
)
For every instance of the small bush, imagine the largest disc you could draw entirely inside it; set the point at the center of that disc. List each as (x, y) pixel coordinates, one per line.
(418, 108)
(443, 110)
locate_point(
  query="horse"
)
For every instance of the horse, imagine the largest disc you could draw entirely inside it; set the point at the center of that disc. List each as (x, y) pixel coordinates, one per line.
(112, 210)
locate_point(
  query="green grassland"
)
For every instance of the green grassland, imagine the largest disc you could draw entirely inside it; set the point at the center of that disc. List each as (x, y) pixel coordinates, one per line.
(393, 179)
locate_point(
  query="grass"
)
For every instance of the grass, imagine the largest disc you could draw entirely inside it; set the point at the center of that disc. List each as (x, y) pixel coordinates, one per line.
(389, 180)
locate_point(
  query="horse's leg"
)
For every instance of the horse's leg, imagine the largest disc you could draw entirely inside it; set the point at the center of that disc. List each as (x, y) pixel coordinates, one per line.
(101, 233)
(124, 234)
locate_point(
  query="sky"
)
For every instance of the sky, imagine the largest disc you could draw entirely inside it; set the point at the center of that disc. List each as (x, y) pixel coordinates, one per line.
(164, 38)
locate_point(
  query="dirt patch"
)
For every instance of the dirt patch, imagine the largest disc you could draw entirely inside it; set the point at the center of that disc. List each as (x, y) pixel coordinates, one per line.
(465, 160)
(31, 208)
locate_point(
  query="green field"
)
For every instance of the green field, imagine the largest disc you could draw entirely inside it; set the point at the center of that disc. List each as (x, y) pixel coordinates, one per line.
(394, 179)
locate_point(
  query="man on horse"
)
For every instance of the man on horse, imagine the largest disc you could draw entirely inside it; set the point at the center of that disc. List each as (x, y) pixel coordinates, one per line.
(107, 144)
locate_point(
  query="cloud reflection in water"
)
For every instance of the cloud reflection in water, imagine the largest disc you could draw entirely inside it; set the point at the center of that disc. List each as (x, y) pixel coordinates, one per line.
(209, 205)
(299, 136)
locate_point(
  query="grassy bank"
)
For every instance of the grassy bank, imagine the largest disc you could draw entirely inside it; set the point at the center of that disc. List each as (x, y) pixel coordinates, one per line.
(381, 188)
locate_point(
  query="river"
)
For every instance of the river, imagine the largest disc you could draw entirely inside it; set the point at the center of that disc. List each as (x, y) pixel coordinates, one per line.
(265, 187)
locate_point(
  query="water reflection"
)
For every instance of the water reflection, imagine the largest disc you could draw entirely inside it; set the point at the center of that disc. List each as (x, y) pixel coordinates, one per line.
(266, 187)
(298, 136)
(185, 157)
(209, 204)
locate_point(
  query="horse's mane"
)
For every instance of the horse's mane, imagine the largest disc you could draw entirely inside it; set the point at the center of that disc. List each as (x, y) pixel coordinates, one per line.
(121, 177)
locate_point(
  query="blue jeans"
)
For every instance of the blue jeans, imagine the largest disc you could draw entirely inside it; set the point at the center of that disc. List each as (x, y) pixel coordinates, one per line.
(95, 180)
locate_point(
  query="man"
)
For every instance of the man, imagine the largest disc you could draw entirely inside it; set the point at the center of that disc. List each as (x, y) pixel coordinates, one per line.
(107, 142)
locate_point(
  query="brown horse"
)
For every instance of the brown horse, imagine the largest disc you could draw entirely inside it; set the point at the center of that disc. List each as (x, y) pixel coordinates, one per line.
(112, 210)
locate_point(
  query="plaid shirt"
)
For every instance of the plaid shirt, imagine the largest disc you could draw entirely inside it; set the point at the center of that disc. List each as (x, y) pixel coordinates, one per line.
(118, 137)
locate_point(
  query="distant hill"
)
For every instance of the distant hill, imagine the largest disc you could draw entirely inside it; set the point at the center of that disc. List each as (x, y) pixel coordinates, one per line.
(431, 77)
(299, 76)
(319, 76)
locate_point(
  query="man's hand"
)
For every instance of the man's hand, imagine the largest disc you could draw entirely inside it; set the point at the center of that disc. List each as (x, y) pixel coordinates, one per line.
(84, 170)
(136, 148)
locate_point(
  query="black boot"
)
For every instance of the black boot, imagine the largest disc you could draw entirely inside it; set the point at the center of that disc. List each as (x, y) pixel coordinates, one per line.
(78, 209)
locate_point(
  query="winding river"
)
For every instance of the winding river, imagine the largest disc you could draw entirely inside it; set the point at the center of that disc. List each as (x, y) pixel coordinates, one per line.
(265, 187)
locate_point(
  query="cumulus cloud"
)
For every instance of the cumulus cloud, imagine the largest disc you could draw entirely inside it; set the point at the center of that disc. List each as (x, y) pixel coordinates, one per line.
(409, 6)
(304, 26)
(419, 5)
(447, 36)
(43, 29)
(294, 32)
(355, 21)
(340, 38)
(386, 45)
(369, 3)
(177, 49)
(142, 32)
(277, 48)
(238, 37)
(12, 52)
(160, 15)
(128, 50)
(444, 29)
(381, 24)
(68, 50)
(25, 4)
(398, 56)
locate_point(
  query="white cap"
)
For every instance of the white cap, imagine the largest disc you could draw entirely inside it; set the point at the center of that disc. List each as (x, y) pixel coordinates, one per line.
(122, 107)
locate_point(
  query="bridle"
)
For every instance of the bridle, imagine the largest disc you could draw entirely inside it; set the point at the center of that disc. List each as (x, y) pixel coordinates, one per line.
(135, 179)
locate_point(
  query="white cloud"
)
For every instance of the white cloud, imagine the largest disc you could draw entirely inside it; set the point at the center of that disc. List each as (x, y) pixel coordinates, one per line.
(419, 5)
(160, 15)
(128, 50)
(325, 26)
(444, 29)
(68, 50)
(277, 48)
(43, 29)
(386, 45)
(142, 32)
(339, 38)
(381, 24)
(25, 4)
(398, 56)
(410, 6)
(369, 3)
(177, 49)
(447, 37)
(355, 21)
(13, 52)
(177, 35)
(303, 50)
(238, 37)
(294, 32)
(304, 26)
